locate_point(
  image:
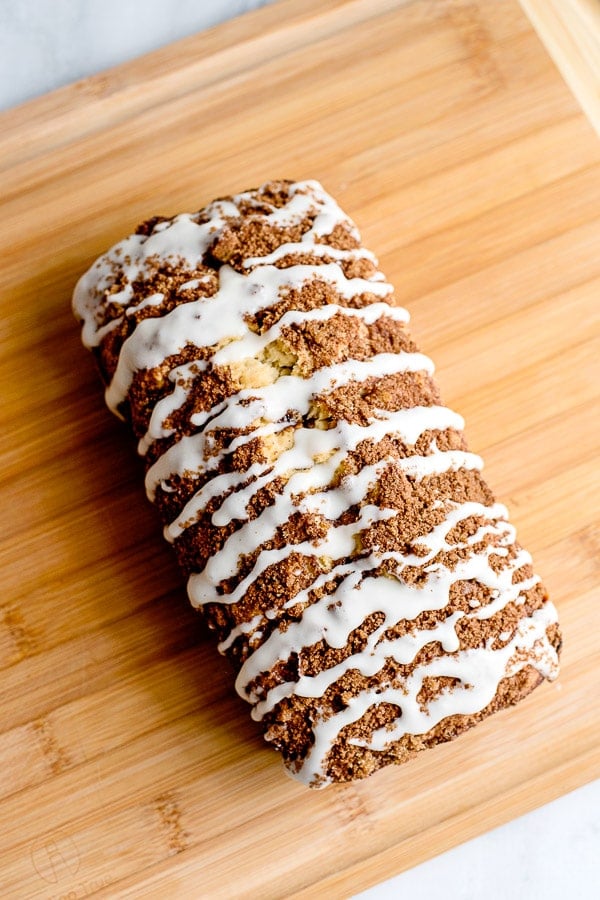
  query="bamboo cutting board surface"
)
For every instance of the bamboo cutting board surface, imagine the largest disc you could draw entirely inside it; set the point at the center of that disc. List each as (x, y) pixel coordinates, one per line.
(128, 765)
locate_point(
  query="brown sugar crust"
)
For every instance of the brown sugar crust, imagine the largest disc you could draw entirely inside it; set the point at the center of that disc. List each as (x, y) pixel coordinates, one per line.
(282, 229)
(348, 762)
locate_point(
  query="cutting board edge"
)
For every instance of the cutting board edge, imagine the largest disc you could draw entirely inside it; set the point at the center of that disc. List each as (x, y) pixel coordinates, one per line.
(139, 84)
(355, 880)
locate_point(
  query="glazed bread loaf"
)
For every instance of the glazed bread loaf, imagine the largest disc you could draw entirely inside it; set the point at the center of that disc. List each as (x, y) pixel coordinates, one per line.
(322, 502)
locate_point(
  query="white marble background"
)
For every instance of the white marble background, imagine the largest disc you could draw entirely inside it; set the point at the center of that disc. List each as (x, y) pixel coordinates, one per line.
(45, 44)
(554, 852)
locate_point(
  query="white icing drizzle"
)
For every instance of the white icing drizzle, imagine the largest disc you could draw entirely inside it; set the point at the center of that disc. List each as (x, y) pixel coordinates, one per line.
(359, 597)
(340, 542)
(479, 672)
(208, 321)
(308, 463)
(181, 377)
(292, 393)
(248, 347)
(315, 250)
(390, 596)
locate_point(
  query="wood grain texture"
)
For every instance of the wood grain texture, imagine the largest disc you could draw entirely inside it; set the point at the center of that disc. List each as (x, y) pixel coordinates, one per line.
(570, 29)
(128, 766)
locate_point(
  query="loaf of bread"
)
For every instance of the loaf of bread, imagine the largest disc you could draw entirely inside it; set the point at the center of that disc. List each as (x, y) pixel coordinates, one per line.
(322, 503)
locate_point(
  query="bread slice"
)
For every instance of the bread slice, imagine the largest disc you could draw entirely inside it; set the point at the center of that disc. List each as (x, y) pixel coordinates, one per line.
(322, 502)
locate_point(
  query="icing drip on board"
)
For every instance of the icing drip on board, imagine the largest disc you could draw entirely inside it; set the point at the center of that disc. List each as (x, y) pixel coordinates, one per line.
(308, 465)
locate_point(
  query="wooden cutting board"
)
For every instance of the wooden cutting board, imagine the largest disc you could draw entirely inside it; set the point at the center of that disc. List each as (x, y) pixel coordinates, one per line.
(128, 766)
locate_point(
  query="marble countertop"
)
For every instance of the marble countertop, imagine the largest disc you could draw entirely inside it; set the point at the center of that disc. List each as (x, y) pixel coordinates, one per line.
(553, 851)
